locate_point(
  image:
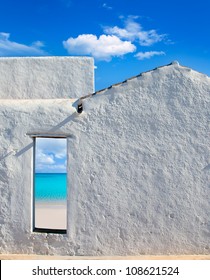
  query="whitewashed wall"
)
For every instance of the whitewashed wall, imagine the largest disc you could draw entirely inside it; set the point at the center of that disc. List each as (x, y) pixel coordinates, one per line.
(138, 168)
(45, 77)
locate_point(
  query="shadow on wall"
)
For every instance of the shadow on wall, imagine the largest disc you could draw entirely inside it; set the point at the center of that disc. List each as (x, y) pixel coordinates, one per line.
(29, 146)
(6, 155)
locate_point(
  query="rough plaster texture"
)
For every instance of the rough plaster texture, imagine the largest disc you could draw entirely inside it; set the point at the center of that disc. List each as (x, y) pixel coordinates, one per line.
(138, 168)
(46, 77)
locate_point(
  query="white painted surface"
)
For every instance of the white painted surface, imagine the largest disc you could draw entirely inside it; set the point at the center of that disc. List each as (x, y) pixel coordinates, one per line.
(46, 77)
(138, 168)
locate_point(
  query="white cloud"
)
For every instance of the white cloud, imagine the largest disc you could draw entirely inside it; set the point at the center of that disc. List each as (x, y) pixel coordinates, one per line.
(42, 158)
(106, 6)
(145, 55)
(134, 31)
(103, 48)
(38, 44)
(50, 168)
(54, 146)
(50, 155)
(11, 48)
(116, 41)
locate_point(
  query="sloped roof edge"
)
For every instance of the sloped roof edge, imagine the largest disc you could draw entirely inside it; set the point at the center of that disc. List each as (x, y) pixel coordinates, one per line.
(138, 75)
(133, 77)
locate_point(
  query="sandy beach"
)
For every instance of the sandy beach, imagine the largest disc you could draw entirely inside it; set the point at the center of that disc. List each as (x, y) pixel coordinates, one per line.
(50, 214)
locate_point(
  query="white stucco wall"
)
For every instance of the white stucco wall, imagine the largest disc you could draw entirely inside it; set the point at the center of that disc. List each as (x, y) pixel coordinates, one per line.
(143, 159)
(138, 168)
(46, 77)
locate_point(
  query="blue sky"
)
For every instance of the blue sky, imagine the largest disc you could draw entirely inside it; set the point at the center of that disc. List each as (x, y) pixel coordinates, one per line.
(125, 37)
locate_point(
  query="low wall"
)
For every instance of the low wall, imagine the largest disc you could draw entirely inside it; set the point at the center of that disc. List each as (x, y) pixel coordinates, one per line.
(46, 77)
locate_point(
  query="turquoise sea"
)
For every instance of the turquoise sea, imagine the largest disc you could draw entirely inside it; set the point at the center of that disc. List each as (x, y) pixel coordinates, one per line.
(50, 186)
